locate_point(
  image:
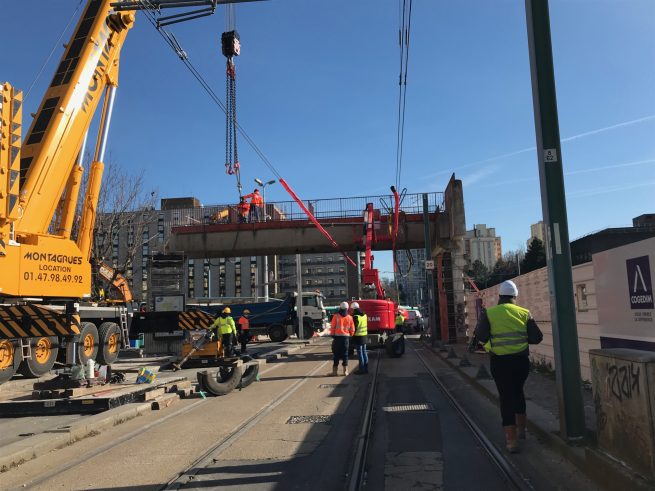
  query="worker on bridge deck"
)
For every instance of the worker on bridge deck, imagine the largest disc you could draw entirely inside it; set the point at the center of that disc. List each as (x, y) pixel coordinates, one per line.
(507, 329)
(343, 328)
(359, 339)
(244, 330)
(226, 330)
(243, 209)
(256, 205)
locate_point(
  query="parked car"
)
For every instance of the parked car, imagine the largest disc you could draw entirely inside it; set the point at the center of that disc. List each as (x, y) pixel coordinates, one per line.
(414, 320)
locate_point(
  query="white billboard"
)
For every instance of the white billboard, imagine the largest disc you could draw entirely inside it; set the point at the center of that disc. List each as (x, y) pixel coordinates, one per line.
(624, 293)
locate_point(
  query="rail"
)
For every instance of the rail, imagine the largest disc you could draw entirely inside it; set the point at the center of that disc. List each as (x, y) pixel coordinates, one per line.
(321, 208)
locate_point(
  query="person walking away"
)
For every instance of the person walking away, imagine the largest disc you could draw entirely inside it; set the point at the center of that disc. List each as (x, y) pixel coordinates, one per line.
(226, 330)
(343, 328)
(244, 328)
(243, 210)
(256, 205)
(359, 339)
(399, 322)
(506, 330)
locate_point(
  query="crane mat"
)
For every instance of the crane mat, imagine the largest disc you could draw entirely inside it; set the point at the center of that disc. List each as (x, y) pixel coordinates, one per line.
(104, 398)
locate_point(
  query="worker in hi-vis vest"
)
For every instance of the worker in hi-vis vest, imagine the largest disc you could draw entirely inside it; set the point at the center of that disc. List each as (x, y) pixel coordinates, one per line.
(226, 330)
(505, 330)
(244, 330)
(343, 329)
(360, 337)
(256, 205)
(399, 322)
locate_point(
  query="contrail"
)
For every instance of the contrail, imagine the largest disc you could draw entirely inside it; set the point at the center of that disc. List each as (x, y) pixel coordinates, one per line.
(563, 140)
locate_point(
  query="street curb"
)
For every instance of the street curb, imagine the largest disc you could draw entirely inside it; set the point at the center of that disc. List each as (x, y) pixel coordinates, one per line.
(17, 453)
(600, 468)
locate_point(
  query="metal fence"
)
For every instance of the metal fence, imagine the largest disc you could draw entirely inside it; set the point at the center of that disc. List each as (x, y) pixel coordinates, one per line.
(321, 208)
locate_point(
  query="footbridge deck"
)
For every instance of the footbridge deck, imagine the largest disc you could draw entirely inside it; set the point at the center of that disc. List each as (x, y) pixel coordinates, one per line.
(215, 231)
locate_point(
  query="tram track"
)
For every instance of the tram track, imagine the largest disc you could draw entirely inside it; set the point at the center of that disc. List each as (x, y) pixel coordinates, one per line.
(358, 475)
(178, 481)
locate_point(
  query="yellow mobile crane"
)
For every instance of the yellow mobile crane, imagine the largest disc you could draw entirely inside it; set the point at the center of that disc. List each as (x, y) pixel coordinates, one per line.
(45, 275)
(43, 272)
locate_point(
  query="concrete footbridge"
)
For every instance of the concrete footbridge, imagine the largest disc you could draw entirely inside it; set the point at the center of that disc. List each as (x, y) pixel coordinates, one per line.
(216, 231)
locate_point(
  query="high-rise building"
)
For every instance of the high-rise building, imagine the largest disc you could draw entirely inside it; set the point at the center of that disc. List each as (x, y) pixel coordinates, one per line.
(482, 244)
(325, 272)
(411, 277)
(129, 239)
(537, 231)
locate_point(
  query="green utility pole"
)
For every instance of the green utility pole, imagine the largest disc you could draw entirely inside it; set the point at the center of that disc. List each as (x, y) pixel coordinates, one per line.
(429, 276)
(553, 202)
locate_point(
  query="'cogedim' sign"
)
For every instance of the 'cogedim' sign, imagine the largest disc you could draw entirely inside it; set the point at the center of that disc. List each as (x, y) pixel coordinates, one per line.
(639, 283)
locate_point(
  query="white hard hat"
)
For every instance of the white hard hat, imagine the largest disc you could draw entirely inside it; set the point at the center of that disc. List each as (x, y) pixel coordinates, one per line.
(344, 305)
(508, 288)
(354, 305)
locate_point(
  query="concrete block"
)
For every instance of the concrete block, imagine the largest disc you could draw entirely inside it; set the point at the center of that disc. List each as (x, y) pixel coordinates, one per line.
(482, 373)
(464, 362)
(153, 394)
(451, 353)
(624, 403)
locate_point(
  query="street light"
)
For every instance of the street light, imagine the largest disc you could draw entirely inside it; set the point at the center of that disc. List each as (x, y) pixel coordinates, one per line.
(263, 185)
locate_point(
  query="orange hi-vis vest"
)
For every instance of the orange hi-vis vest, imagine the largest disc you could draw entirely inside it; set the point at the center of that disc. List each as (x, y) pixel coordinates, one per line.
(243, 208)
(244, 323)
(343, 326)
(255, 199)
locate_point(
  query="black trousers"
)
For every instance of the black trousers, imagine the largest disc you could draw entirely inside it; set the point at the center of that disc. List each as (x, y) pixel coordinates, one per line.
(244, 337)
(510, 373)
(227, 340)
(340, 350)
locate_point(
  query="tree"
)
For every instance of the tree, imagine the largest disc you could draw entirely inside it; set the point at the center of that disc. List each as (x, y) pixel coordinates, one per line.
(479, 273)
(503, 270)
(125, 206)
(535, 257)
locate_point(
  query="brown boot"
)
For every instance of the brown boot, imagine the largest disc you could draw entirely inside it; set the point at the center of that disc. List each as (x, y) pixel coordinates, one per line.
(511, 443)
(333, 373)
(345, 371)
(520, 426)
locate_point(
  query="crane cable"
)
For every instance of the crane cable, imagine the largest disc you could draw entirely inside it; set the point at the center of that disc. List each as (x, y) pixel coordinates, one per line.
(404, 31)
(172, 42)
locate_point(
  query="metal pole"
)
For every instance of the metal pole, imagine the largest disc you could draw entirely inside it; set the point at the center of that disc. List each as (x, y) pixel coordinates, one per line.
(102, 144)
(551, 177)
(299, 312)
(429, 278)
(265, 256)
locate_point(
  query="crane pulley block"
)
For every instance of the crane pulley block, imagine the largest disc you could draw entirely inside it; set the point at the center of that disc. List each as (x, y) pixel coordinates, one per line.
(231, 44)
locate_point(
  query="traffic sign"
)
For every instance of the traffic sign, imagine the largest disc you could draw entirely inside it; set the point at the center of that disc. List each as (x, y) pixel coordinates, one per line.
(429, 264)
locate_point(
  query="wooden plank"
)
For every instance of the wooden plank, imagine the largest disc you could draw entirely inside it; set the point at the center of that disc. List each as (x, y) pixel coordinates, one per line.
(153, 394)
(178, 386)
(164, 401)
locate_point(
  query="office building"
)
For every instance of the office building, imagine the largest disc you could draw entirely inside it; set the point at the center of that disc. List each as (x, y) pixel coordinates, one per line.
(482, 244)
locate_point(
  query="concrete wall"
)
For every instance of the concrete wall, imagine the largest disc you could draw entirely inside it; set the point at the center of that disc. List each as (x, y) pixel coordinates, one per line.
(534, 295)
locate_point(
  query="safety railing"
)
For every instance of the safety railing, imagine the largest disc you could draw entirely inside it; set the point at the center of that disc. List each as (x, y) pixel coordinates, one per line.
(321, 208)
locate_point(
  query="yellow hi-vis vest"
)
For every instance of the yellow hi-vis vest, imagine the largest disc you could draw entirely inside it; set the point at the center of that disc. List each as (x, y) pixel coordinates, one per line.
(362, 325)
(400, 320)
(509, 331)
(225, 325)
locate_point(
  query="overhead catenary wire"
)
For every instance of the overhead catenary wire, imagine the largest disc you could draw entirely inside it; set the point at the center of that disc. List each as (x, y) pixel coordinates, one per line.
(52, 51)
(404, 36)
(170, 39)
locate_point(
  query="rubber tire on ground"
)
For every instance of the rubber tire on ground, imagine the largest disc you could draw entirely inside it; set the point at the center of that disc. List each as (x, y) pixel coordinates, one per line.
(277, 333)
(33, 368)
(87, 328)
(105, 356)
(10, 371)
(249, 375)
(308, 329)
(214, 387)
(395, 349)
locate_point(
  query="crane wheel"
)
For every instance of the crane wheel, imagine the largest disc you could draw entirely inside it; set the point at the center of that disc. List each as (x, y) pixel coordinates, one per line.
(87, 348)
(109, 336)
(395, 348)
(221, 382)
(44, 355)
(9, 360)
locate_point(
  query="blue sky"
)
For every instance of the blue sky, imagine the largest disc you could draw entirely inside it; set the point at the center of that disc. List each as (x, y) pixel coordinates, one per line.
(317, 91)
